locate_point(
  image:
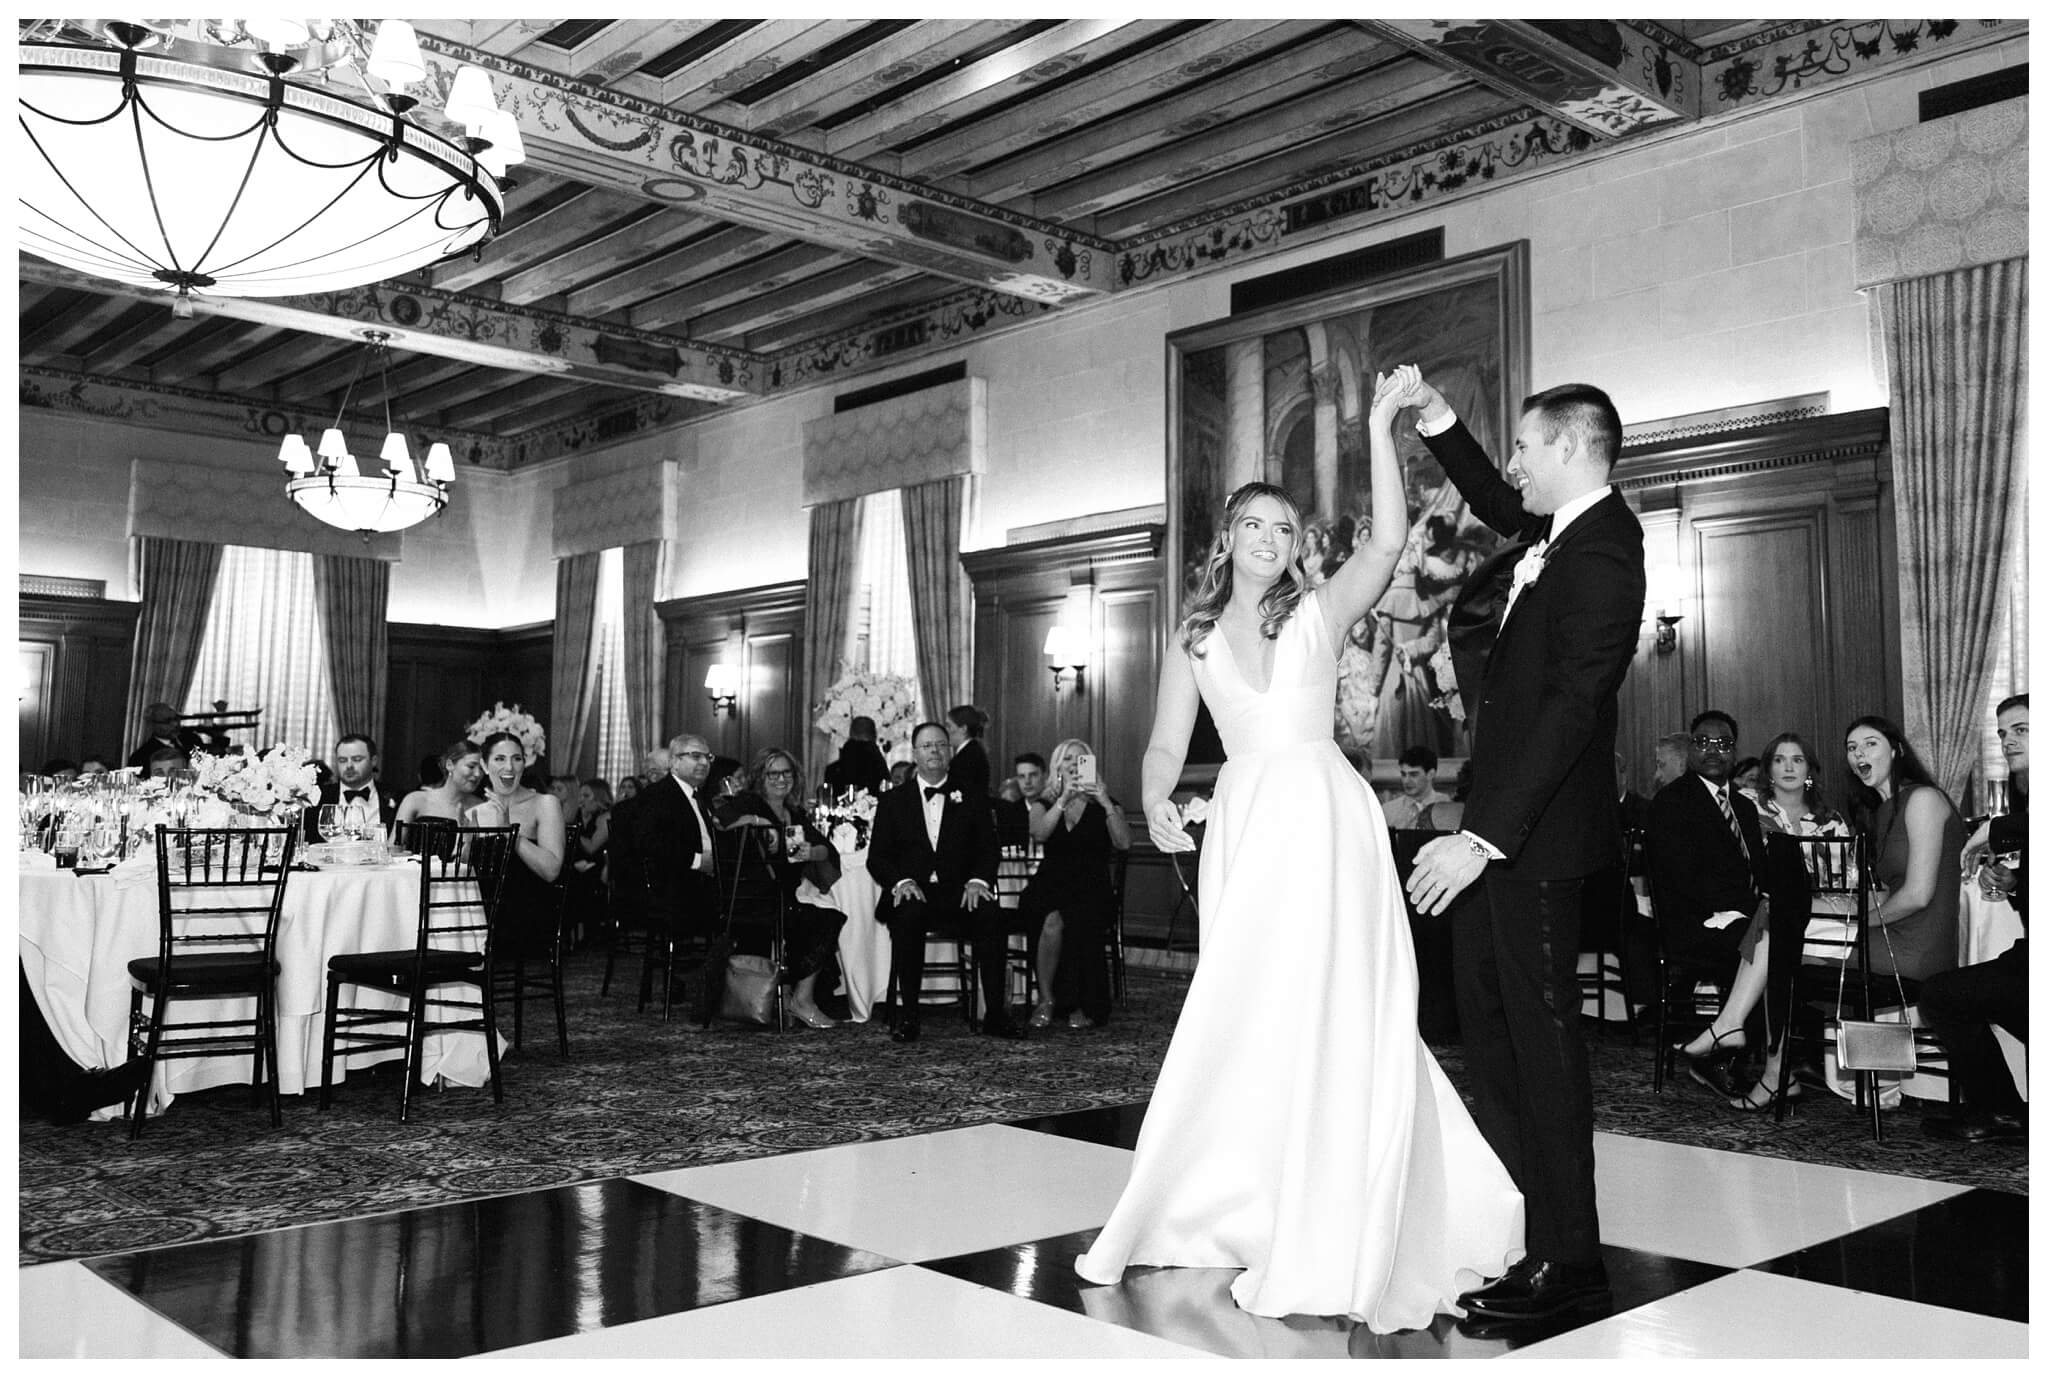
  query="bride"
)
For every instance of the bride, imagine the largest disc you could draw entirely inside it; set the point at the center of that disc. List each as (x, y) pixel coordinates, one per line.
(1300, 1131)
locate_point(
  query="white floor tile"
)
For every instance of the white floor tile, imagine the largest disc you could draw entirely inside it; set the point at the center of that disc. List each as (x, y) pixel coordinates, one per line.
(919, 1198)
(906, 1313)
(1738, 1209)
(70, 1312)
(1749, 1315)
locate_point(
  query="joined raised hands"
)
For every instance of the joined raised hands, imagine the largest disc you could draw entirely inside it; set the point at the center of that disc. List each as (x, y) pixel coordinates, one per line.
(1404, 387)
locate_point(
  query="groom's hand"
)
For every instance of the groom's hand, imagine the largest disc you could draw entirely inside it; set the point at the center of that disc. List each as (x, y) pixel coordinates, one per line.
(1443, 869)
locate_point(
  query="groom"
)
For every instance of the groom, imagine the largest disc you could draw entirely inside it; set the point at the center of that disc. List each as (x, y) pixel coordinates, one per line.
(1541, 636)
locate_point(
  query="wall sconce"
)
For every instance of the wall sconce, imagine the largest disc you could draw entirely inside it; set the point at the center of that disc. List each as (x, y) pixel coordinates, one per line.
(1065, 649)
(1667, 631)
(723, 685)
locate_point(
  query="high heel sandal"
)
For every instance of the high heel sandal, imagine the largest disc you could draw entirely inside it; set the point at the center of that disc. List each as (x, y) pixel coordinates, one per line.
(1710, 1068)
(1041, 1017)
(1793, 1093)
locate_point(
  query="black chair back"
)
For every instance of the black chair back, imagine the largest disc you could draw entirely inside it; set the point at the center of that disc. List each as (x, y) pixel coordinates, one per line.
(219, 890)
(462, 881)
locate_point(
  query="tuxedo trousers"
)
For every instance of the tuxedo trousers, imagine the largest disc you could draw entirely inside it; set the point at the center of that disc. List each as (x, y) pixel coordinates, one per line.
(1515, 955)
(910, 920)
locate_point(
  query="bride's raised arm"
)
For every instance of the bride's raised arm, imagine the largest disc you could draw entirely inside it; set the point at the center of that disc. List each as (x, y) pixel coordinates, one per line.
(1355, 587)
(1173, 722)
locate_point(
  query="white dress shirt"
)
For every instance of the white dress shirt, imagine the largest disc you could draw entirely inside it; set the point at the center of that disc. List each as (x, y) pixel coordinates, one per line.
(702, 861)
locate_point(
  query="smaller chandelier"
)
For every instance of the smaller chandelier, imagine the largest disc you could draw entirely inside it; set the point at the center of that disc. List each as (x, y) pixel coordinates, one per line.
(333, 486)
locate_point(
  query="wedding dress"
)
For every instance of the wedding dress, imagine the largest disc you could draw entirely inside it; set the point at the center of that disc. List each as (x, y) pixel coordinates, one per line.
(1300, 1129)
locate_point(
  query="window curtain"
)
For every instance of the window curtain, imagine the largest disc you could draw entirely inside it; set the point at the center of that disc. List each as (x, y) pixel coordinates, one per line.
(939, 594)
(176, 579)
(574, 680)
(832, 579)
(263, 649)
(353, 594)
(642, 646)
(1956, 343)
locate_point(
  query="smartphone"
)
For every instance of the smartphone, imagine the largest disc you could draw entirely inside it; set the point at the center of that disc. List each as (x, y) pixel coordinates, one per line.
(1084, 769)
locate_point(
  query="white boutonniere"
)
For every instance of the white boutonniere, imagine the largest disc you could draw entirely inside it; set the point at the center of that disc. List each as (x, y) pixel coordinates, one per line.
(1530, 567)
(1196, 810)
(954, 796)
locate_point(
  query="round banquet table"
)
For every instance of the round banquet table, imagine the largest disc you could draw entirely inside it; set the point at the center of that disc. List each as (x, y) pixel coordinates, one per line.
(79, 932)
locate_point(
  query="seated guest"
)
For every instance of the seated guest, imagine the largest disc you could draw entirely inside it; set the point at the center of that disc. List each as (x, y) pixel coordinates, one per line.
(773, 800)
(60, 770)
(567, 790)
(93, 764)
(355, 782)
(1013, 801)
(166, 759)
(666, 839)
(932, 850)
(461, 768)
(1674, 749)
(860, 764)
(1794, 808)
(1962, 1005)
(969, 769)
(900, 773)
(1412, 805)
(1706, 854)
(1068, 901)
(529, 905)
(161, 721)
(629, 785)
(589, 843)
(1748, 776)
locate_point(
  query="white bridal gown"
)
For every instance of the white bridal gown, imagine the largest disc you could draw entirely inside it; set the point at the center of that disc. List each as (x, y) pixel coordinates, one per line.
(1300, 1129)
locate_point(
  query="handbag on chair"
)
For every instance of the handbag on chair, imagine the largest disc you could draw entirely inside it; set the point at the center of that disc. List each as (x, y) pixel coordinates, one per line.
(1874, 1045)
(750, 982)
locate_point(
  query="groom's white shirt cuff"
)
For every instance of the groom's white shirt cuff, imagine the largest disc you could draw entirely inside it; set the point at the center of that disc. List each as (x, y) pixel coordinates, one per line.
(1437, 427)
(1496, 853)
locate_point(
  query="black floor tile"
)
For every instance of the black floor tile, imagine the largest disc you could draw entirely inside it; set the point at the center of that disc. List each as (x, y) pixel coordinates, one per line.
(1968, 1253)
(1115, 1125)
(476, 1276)
(1192, 1306)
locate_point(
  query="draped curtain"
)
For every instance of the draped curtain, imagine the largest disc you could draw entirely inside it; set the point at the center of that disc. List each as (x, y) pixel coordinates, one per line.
(176, 579)
(353, 594)
(642, 654)
(574, 681)
(828, 606)
(1956, 343)
(939, 593)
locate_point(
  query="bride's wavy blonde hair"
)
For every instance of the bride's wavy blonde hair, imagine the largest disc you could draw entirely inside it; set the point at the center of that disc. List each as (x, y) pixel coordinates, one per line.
(1212, 590)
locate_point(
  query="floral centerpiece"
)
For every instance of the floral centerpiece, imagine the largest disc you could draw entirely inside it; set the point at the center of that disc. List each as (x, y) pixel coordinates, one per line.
(891, 700)
(273, 785)
(847, 820)
(533, 739)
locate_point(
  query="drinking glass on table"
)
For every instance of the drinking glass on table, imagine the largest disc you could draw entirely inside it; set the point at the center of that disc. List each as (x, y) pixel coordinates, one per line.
(329, 819)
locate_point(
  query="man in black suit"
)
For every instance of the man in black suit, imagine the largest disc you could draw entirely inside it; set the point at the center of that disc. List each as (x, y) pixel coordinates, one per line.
(162, 720)
(1540, 659)
(933, 852)
(355, 782)
(668, 835)
(861, 764)
(1709, 877)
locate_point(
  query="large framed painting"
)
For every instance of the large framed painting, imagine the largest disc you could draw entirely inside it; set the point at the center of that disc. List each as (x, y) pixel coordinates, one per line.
(1283, 396)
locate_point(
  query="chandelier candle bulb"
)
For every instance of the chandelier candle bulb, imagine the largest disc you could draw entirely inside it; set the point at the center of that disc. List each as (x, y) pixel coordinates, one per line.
(298, 460)
(440, 463)
(333, 444)
(395, 55)
(398, 458)
(470, 102)
(344, 466)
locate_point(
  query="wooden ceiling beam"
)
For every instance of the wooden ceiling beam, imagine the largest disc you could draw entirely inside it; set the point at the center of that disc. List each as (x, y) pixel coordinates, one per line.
(426, 320)
(709, 253)
(552, 411)
(471, 404)
(760, 275)
(629, 243)
(813, 325)
(539, 238)
(251, 375)
(797, 300)
(625, 46)
(1298, 71)
(142, 335)
(923, 47)
(702, 87)
(63, 320)
(206, 354)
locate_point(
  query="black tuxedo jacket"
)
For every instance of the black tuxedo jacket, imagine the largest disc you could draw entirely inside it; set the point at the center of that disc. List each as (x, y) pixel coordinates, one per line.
(1540, 687)
(968, 771)
(330, 793)
(1696, 870)
(898, 848)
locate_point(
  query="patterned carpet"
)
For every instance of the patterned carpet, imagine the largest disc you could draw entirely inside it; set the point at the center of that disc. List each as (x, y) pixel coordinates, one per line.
(636, 1095)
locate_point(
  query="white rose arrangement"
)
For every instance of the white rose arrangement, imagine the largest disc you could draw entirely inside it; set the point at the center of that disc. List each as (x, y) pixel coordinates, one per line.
(847, 821)
(891, 700)
(278, 780)
(533, 739)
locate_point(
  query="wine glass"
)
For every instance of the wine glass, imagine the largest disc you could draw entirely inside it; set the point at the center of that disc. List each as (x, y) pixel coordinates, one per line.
(355, 821)
(330, 822)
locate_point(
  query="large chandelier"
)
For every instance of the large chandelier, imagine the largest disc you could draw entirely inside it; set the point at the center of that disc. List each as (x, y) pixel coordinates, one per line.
(333, 486)
(175, 153)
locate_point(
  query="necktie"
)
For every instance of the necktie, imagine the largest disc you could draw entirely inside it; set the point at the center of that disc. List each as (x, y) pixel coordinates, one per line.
(932, 792)
(351, 796)
(1728, 813)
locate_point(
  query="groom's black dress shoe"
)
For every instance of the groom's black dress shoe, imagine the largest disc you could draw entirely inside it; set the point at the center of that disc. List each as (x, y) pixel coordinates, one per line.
(906, 1031)
(109, 1086)
(1977, 1127)
(1538, 1288)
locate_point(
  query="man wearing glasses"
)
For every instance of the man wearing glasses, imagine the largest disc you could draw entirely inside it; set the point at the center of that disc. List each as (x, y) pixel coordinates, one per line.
(671, 840)
(1708, 877)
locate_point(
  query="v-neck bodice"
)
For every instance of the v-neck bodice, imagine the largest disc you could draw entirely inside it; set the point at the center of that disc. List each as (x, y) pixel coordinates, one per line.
(1295, 708)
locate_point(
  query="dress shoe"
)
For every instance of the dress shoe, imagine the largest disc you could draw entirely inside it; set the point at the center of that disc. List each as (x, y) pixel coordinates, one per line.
(905, 1032)
(1977, 1128)
(1078, 1020)
(1538, 1288)
(92, 1090)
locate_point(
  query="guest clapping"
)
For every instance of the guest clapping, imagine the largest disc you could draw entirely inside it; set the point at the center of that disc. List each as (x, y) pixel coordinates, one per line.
(773, 799)
(528, 904)
(1069, 898)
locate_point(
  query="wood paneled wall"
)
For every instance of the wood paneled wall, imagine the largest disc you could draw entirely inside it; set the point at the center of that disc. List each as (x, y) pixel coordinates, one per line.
(442, 678)
(1108, 586)
(73, 687)
(1777, 536)
(759, 630)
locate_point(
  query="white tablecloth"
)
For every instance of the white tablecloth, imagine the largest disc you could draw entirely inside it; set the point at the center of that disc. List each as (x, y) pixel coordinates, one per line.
(78, 934)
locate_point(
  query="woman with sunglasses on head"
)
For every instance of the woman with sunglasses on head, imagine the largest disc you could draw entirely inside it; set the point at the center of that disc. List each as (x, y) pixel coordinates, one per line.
(772, 799)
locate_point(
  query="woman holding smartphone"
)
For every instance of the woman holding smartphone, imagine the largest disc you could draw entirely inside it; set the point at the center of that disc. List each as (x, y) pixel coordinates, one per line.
(1068, 906)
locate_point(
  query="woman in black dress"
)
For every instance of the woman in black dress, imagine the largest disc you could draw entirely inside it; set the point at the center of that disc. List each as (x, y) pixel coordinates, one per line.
(531, 900)
(1069, 901)
(773, 796)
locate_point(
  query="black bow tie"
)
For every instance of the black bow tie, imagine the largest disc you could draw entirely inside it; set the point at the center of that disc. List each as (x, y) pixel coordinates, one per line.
(350, 796)
(934, 791)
